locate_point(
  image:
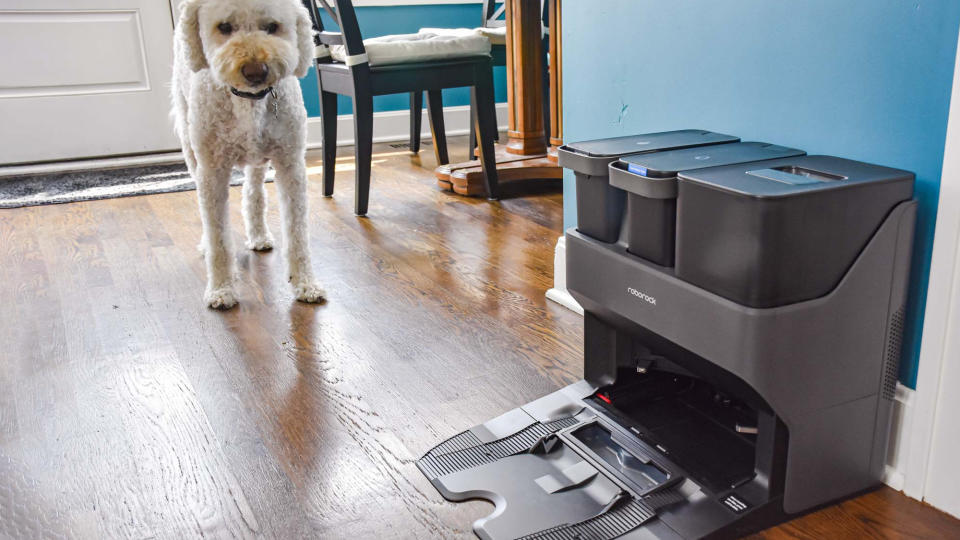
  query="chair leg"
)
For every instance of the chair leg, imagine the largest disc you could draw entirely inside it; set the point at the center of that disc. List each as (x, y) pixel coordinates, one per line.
(435, 111)
(416, 115)
(473, 128)
(363, 135)
(485, 122)
(328, 121)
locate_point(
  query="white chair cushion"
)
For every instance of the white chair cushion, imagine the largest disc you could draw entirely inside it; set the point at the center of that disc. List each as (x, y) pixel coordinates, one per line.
(419, 47)
(496, 35)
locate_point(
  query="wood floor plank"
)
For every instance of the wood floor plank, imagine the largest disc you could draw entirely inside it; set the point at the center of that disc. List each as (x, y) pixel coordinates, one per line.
(198, 493)
(130, 410)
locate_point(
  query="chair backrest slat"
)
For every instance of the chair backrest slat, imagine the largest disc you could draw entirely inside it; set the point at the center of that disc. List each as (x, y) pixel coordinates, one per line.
(326, 7)
(345, 17)
(497, 13)
(493, 10)
(492, 13)
(314, 19)
(330, 38)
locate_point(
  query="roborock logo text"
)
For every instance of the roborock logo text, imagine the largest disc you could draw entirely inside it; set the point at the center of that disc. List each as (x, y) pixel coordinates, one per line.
(642, 295)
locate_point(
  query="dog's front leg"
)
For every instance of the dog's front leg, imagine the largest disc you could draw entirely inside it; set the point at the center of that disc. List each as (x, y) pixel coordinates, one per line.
(292, 187)
(254, 210)
(213, 193)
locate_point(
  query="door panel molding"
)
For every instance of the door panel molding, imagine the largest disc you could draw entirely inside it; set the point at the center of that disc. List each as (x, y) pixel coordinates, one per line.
(56, 45)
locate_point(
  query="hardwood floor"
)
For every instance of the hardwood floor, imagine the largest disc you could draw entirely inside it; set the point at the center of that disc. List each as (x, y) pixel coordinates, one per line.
(128, 409)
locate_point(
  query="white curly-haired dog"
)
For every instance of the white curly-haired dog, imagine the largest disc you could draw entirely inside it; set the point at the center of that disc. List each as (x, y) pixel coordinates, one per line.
(237, 103)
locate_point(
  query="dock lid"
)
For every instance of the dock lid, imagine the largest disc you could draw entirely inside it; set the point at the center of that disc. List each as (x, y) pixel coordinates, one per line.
(668, 164)
(649, 142)
(796, 175)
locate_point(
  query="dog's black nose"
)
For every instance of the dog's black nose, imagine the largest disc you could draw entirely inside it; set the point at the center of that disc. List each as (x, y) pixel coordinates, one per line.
(255, 72)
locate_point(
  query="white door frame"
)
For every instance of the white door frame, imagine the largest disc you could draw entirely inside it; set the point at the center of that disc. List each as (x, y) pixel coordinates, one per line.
(940, 346)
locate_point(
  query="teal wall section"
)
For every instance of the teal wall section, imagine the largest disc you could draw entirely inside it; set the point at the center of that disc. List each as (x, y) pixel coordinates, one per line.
(863, 79)
(382, 20)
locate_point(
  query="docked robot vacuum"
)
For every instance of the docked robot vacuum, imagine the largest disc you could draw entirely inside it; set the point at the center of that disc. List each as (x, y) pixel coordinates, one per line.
(743, 312)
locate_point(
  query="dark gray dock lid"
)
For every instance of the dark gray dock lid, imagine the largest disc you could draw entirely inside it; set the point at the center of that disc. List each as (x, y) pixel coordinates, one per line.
(667, 164)
(649, 142)
(796, 175)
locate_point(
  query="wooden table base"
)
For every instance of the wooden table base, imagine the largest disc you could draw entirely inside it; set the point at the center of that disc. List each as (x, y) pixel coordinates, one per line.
(466, 178)
(526, 163)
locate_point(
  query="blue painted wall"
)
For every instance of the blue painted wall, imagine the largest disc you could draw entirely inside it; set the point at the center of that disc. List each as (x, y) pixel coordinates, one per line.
(383, 20)
(863, 79)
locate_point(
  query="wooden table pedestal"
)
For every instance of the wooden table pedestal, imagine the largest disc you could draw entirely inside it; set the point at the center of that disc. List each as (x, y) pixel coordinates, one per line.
(526, 161)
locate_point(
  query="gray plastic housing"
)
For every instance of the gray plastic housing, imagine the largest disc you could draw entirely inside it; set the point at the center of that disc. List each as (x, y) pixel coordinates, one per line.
(783, 231)
(816, 374)
(600, 207)
(821, 374)
(825, 367)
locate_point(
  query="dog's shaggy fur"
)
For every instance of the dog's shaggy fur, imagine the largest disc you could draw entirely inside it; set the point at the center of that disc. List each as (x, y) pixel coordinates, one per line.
(215, 41)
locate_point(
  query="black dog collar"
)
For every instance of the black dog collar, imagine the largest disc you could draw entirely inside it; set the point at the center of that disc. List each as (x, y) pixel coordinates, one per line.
(250, 95)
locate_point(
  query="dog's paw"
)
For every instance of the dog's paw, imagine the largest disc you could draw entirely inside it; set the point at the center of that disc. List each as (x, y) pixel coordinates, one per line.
(309, 292)
(260, 243)
(222, 298)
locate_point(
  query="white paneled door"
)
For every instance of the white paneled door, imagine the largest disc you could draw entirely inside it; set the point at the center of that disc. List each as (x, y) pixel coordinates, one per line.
(84, 78)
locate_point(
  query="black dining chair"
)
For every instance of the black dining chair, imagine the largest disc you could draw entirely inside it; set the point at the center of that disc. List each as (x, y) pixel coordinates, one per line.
(353, 75)
(495, 28)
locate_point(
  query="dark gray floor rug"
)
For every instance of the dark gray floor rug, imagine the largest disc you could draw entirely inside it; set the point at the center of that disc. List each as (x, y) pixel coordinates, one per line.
(64, 187)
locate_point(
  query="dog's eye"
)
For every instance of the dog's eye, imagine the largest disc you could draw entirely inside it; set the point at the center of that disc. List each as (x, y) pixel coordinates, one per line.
(271, 28)
(225, 28)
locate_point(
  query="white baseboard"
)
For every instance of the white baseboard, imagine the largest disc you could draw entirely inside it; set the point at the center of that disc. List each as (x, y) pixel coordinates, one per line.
(88, 164)
(559, 293)
(901, 424)
(390, 126)
(900, 427)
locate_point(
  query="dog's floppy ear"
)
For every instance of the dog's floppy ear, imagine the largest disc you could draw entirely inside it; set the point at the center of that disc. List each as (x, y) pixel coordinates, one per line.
(188, 32)
(305, 44)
